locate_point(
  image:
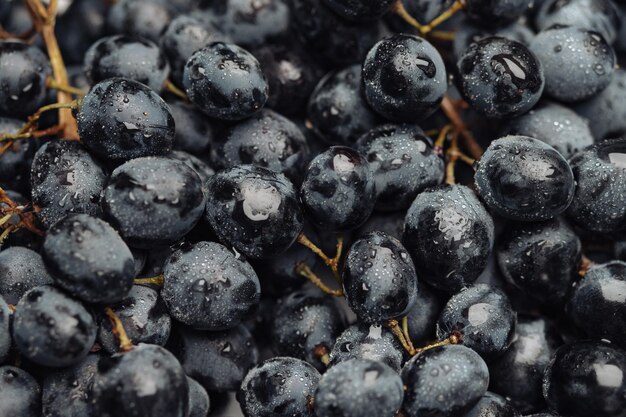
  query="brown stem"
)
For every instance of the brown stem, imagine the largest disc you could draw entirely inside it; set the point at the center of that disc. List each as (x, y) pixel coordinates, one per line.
(442, 35)
(452, 156)
(453, 339)
(156, 280)
(304, 270)
(469, 141)
(332, 263)
(51, 83)
(321, 352)
(458, 5)
(585, 265)
(401, 11)
(28, 129)
(171, 87)
(118, 330)
(4, 35)
(400, 335)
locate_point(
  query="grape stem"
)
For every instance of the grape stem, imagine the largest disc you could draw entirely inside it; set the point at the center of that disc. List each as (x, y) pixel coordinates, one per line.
(171, 87)
(28, 130)
(304, 270)
(126, 344)
(27, 219)
(321, 353)
(585, 265)
(26, 36)
(452, 155)
(441, 139)
(51, 83)
(44, 20)
(401, 11)
(449, 109)
(332, 263)
(156, 280)
(402, 334)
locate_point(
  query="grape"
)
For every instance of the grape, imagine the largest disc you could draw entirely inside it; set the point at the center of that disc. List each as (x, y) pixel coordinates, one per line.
(20, 394)
(68, 391)
(21, 269)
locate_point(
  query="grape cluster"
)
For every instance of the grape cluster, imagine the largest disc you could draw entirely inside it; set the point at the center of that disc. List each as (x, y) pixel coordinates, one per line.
(312, 208)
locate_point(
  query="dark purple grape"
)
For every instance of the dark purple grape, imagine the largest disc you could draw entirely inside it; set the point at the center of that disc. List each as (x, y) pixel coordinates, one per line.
(279, 386)
(82, 24)
(144, 18)
(16, 159)
(88, 258)
(65, 179)
(144, 317)
(518, 373)
(403, 162)
(469, 32)
(493, 405)
(589, 62)
(359, 387)
(391, 223)
(556, 125)
(444, 381)
(24, 69)
(194, 132)
(153, 201)
(306, 325)
(225, 81)
(422, 318)
(219, 361)
(337, 111)
(52, 329)
(266, 139)
(524, 179)
(21, 269)
(541, 259)
(373, 342)
(203, 170)
(127, 57)
(121, 119)
(379, 278)
(146, 381)
(598, 15)
(405, 78)
(484, 317)
(5, 332)
(199, 401)
(208, 287)
(338, 191)
(598, 303)
(500, 78)
(586, 378)
(449, 235)
(360, 10)
(67, 392)
(600, 175)
(254, 210)
(20, 394)
(496, 12)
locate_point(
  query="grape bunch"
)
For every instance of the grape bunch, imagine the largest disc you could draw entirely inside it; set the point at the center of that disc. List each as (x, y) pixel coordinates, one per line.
(312, 208)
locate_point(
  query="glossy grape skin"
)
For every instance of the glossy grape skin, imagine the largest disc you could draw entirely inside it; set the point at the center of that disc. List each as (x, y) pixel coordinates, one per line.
(359, 387)
(542, 259)
(422, 318)
(493, 405)
(203, 170)
(144, 317)
(306, 322)
(67, 392)
(500, 78)
(23, 72)
(153, 201)
(254, 210)
(65, 179)
(266, 139)
(225, 81)
(199, 401)
(360, 10)
(484, 317)
(405, 78)
(597, 305)
(391, 223)
(127, 57)
(598, 15)
(590, 61)
(403, 162)
(16, 159)
(21, 269)
(524, 179)
(496, 13)
(586, 378)
(5, 331)
(52, 329)
(279, 386)
(20, 394)
(194, 132)
(518, 373)
(556, 125)
(88, 258)
(449, 235)
(469, 32)
(146, 381)
(337, 110)
(291, 76)
(185, 35)
(605, 112)
(373, 342)
(219, 361)
(144, 18)
(600, 173)
(335, 41)
(338, 191)
(121, 119)
(444, 382)
(209, 287)
(379, 278)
